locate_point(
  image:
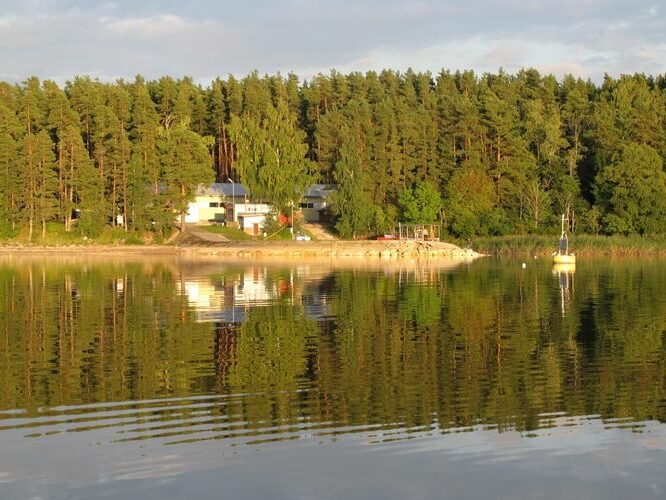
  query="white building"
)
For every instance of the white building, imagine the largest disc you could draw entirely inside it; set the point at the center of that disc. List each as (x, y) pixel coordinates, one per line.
(224, 203)
(231, 202)
(316, 204)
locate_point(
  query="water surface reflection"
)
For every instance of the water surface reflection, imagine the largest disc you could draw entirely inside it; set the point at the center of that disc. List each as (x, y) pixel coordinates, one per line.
(155, 370)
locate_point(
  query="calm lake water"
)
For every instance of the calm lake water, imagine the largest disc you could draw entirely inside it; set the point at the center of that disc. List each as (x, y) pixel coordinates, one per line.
(168, 379)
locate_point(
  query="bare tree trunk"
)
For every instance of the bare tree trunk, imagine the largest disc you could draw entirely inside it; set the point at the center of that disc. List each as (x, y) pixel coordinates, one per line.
(182, 208)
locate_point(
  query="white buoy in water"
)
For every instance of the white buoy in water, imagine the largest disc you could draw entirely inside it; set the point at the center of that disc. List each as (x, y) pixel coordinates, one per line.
(524, 265)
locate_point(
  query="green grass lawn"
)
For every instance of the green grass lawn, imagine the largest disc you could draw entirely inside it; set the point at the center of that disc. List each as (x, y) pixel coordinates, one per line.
(235, 234)
(57, 236)
(230, 233)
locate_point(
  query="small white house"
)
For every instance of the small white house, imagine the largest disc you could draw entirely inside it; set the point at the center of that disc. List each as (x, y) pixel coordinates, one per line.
(225, 203)
(216, 203)
(252, 216)
(316, 204)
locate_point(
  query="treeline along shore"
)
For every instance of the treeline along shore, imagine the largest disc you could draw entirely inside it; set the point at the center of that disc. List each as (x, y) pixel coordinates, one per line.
(485, 155)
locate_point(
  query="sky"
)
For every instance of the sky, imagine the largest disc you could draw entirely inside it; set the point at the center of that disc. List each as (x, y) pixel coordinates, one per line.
(58, 39)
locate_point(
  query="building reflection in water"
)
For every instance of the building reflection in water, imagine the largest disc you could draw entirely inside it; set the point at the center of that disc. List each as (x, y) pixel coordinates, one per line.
(227, 298)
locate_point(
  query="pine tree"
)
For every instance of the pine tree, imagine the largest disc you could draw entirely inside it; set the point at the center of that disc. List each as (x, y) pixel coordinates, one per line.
(186, 162)
(80, 179)
(62, 117)
(39, 181)
(10, 160)
(217, 116)
(145, 177)
(32, 106)
(84, 96)
(351, 203)
(120, 103)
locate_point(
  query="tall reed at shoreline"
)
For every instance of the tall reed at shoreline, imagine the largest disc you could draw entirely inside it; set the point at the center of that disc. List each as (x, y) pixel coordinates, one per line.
(583, 244)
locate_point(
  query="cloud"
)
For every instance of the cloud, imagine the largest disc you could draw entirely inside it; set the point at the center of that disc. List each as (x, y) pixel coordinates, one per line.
(204, 38)
(148, 27)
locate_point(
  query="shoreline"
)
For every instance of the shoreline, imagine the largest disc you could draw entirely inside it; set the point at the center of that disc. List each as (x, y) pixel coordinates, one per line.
(328, 249)
(508, 246)
(262, 249)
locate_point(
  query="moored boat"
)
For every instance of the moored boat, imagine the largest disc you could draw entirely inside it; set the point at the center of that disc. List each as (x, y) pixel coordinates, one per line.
(564, 259)
(562, 256)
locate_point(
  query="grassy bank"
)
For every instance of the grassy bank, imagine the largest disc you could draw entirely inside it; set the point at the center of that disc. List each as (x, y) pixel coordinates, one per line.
(235, 234)
(56, 236)
(584, 244)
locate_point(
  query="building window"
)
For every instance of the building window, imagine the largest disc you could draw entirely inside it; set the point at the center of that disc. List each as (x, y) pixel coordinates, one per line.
(307, 205)
(213, 204)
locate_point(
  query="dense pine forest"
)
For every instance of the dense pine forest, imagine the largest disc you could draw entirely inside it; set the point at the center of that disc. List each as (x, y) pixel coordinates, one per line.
(485, 155)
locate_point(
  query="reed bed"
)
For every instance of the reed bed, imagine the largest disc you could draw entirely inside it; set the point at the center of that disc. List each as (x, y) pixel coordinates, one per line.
(579, 244)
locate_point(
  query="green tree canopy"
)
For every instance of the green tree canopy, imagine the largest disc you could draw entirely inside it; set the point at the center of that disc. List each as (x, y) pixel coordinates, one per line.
(272, 159)
(632, 191)
(470, 203)
(422, 204)
(351, 203)
(186, 162)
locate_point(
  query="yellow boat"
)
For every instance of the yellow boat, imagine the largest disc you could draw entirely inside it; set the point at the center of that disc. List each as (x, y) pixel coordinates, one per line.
(562, 256)
(564, 259)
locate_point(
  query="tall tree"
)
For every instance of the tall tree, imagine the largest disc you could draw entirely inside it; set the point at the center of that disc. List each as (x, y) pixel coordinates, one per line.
(145, 177)
(10, 161)
(186, 162)
(351, 203)
(80, 180)
(63, 121)
(272, 156)
(39, 181)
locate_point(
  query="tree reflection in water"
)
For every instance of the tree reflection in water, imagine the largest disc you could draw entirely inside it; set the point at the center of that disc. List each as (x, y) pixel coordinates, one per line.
(279, 350)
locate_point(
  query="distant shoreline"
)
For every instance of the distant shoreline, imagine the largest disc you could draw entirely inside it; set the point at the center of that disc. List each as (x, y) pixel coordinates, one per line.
(532, 245)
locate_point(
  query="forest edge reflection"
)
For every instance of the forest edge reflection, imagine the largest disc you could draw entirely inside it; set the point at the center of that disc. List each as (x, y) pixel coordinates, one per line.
(489, 344)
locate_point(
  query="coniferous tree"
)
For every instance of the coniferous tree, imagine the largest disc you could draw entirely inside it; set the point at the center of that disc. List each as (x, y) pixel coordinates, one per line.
(62, 120)
(38, 181)
(217, 117)
(351, 203)
(10, 160)
(81, 182)
(145, 176)
(84, 96)
(186, 162)
(547, 146)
